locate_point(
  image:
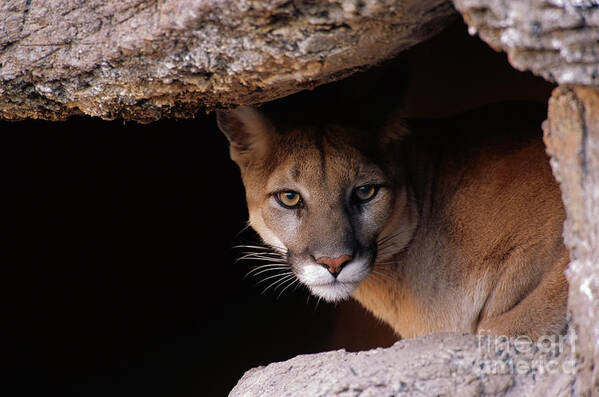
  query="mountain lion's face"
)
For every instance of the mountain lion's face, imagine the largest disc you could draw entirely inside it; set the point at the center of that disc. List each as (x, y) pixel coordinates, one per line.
(319, 195)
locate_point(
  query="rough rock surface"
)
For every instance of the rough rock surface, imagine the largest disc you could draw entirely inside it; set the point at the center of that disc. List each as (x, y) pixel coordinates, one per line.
(572, 140)
(145, 59)
(435, 365)
(556, 39)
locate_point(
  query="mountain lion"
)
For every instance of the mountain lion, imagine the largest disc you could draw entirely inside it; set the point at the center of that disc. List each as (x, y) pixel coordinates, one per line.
(451, 225)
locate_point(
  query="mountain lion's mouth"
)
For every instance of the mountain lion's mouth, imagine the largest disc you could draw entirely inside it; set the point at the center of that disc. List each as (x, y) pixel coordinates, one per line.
(334, 291)
(333, 287)
(332, 283)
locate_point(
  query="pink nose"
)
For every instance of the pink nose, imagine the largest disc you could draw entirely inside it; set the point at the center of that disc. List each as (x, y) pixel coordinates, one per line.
(334, 265)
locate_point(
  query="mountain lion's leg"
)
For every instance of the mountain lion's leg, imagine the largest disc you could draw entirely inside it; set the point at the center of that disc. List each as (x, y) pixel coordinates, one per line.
(541, 312)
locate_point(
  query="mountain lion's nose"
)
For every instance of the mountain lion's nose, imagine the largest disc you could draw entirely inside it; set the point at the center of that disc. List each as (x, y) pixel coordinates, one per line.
(334, 265)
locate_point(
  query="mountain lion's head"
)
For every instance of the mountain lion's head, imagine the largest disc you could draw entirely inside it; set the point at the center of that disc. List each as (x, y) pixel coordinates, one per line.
(330, 198)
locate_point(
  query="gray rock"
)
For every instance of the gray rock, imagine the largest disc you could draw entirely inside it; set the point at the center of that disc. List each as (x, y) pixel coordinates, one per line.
(572, 140)
(144, 60)
(555, 39)
(434, 365)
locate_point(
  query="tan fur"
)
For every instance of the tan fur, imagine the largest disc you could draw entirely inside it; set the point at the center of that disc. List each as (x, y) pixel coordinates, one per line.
(464, 234)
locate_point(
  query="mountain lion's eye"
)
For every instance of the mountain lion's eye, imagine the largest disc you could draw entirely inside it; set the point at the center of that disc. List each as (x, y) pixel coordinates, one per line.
(366, 192)
(288, 199)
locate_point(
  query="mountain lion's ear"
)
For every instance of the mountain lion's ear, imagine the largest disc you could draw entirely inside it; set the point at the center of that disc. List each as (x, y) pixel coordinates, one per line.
(248, 133)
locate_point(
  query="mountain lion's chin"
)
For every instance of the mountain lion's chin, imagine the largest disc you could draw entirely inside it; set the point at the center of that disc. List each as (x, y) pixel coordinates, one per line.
(334, 291)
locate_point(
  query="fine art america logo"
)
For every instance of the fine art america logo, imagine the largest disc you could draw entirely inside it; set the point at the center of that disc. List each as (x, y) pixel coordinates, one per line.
(548, 354)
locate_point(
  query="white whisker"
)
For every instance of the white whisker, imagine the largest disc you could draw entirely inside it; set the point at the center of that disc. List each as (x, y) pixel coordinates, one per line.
(246, 227)
(270, 266)
(283, 283)
(276, 275)
(317, 302)
(285, 278)
(272, 269)
(266, 253)
(256, 247)
(290, 284)
(259, 259)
